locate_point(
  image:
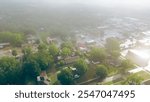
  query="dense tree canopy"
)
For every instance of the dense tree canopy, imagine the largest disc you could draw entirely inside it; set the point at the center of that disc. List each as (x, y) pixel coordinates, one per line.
(133, 79)
(30, 67)
(14, 52)
(44, 59)
(53, 50)
(65, 52)
(15, 39)
(67, 44)
(125, 65)
(42, 47)
(101, 71)
(10, 71)
(97, 54)
(113, 47)
(112, 44)
(81, 66)
(65, 76)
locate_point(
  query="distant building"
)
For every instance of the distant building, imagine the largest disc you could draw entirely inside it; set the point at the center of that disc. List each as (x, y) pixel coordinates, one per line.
(146, 82)
(50, 40)
(139, 57)
(70, 60)
(31, 39)
(89, 42)
(43, 79)
(82, 47)
(3, 45)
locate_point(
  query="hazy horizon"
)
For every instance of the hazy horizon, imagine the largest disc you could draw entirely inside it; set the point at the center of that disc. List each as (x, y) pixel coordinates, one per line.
(106, 3)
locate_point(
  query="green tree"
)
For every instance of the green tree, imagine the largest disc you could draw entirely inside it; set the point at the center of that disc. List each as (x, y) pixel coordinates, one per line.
(26, 52)
(67, 44)
(9, 71)
(133, 79)
(125, 65)
(42, 47)
(15, 39)
(14, 52)
(31, 68)
(65, 52)
(44, 59)
(97, 54)
(113, 47)
(112, 44)
(65, 76)
(53, 49)
(81, 66)
(101, 71)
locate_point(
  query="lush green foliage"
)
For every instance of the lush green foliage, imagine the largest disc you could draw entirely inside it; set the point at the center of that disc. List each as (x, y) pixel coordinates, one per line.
(101, 71)
(15, 39)
(125, 65)
(65, 76)
(98, 54)
(14, 52)
(9, 71)
(53, 50)
(133, 79)
(113, 47)
(81, 66)
(65, 52)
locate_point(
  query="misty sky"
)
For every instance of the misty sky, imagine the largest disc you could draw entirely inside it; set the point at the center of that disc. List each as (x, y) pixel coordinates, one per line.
(107, 3)
(119, 3)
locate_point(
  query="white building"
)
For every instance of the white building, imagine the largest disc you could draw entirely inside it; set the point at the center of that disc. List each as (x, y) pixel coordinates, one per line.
(139, 56)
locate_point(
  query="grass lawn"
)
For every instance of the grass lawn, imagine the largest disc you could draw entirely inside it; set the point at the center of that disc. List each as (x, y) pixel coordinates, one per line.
(52, 77)
(52, 74)
(91, 73)
(144, 75)
(112, 71)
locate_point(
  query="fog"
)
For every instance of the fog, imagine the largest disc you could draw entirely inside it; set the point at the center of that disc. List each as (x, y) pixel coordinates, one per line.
(108, 3)
(68, 15)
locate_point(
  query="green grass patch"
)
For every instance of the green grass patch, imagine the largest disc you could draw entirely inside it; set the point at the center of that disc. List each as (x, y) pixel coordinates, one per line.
(112, 71)
(90, 74)
(52, 77)
(144, 75)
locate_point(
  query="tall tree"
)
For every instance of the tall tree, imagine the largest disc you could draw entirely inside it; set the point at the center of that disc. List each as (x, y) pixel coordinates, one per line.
(65, 52)
(125, 65)
(98, 54)
(14, 52)
(67, 44)
(42, 47)
(65, 76)
(10, 71)
(113, 47)
(81, 66)
(101, 71)
(112, 44)
(44, 59)
(31, 68)
(53, 49)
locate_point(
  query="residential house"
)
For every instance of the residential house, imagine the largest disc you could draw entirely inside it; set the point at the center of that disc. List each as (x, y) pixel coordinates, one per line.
(139, 57)
(3, 45)
(70, 60)
(43, 79)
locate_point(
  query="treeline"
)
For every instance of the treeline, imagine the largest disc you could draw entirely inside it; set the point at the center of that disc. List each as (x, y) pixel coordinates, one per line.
(26, 68)
(15, 39)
